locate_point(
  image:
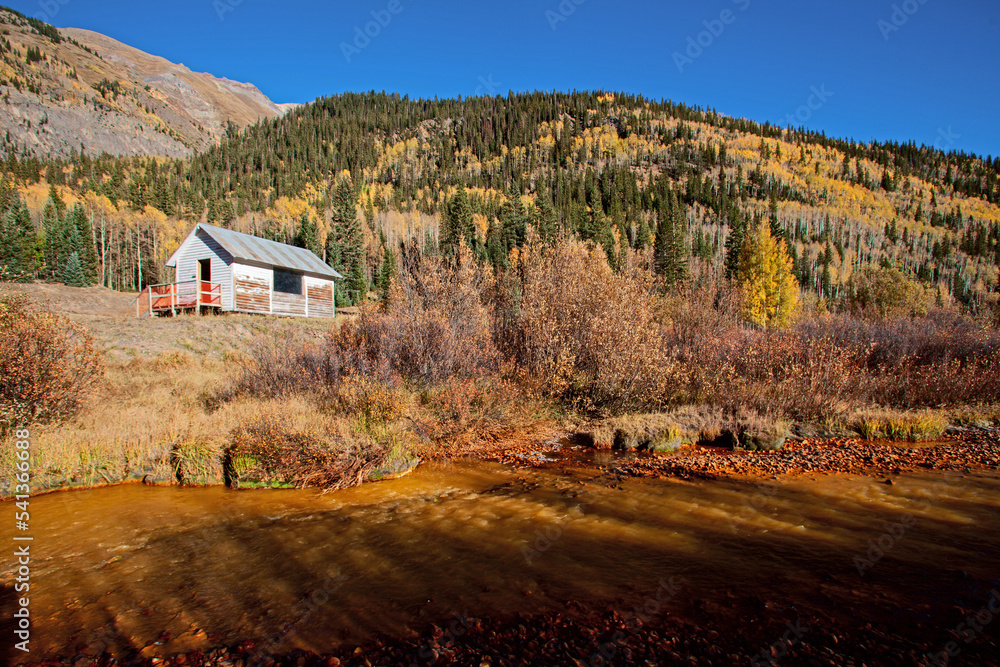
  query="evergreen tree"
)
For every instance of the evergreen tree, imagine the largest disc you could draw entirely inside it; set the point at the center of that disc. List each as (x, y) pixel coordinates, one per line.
(73, 272)
(357, 283)
(734, 244)
(679, 251)
(18, 259)
(345, 243)
(306, 235)
(642, 236)
(343, 218)
(387, 272)
(776, 230)
(513, 222)
(82, 242)
(664, 234)
(546, 216)
(57, 240)
(670, 250)
(457, 223)
(496, 251)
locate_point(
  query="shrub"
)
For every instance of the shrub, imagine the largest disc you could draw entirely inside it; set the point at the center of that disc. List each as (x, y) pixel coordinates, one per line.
(885, 292)
(275, 367)
(586, 335)
(268, 452)
(47, 364)
(436, 327)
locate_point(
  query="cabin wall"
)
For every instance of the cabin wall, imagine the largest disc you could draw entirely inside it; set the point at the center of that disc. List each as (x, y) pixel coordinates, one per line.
(203, 246)
(252, 286)
(288, 304)
(321, 297)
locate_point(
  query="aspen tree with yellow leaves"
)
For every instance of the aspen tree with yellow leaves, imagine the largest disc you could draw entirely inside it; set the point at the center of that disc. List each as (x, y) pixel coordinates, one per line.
(769, 292)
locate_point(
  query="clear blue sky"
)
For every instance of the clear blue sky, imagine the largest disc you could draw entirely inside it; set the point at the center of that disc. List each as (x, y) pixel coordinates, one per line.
(929, 73)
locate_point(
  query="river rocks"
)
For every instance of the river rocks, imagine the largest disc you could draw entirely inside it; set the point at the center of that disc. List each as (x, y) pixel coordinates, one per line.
(971, 450)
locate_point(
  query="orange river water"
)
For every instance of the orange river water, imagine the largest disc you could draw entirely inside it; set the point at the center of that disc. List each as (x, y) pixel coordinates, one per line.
(167, 569)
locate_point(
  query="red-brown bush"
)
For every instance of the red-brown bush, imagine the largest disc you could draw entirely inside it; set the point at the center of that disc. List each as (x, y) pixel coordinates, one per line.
(47, 363)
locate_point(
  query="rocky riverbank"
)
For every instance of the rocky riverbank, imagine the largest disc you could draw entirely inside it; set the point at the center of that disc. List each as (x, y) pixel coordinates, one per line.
(973, 449)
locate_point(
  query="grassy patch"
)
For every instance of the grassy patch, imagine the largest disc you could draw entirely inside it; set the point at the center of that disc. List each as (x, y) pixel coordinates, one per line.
(914, 426)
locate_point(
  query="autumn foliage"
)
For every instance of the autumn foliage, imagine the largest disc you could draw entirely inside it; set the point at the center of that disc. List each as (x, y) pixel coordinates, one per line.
(558, 327)
(47, 364)
(769, 290)
(584, 334)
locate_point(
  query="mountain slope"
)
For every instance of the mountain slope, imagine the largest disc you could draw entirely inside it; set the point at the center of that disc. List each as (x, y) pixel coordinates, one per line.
(67, 88)
(679, 185)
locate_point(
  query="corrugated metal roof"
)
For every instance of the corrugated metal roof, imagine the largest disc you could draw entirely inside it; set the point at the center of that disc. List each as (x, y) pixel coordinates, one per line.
(281, 255)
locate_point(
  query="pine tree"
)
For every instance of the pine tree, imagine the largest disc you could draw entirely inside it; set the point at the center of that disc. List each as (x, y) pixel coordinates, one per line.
(457, 223)
(57, 239)
(670, 250)
(679, 252)
(306, 235)
(357, 283)
(18, 258)
(73, 272)
(768, 288)
(496, 252)
(734, 244)
(643, 235)
(342, 215)
(513, 222)
(387, 273)
(82, 242)
(776, 230)
(345, 243)
(546, 217)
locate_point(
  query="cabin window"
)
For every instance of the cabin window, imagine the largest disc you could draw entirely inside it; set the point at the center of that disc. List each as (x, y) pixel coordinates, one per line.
(287, 282)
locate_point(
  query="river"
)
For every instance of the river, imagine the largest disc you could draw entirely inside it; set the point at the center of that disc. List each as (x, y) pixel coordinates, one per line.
(135, 569)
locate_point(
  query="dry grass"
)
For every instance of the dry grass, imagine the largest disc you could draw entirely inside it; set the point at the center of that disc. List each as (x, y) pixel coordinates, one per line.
(653, 432)
(704, 424)
(900, 425)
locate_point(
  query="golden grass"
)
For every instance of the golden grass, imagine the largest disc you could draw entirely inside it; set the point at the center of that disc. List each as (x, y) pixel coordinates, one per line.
(150, 418)
(912, 425)
(666, 431)
(657, 432)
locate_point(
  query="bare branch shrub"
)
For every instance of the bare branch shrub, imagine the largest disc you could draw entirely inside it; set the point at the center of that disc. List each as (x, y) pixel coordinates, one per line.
(48, 365)
(587, 335)
(267, 451)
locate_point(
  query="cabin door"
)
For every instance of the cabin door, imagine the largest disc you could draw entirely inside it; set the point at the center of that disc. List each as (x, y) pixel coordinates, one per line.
(204, 281)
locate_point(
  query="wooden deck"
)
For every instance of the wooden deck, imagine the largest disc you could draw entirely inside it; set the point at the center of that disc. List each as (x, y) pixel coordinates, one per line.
(174, 298)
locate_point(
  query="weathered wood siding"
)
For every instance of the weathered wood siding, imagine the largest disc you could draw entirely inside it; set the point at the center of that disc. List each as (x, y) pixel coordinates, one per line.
(320, 293)
(252, 285)
(283, 303)
(203, 246)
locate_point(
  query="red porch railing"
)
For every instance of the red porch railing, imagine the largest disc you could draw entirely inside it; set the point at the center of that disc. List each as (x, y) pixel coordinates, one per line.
(177, 297)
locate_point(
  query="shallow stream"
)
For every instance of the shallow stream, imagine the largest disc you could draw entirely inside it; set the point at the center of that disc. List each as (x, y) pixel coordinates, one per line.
(166, 569)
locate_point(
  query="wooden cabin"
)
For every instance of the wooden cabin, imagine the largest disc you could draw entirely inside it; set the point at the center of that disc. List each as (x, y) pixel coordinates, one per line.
(225, 271)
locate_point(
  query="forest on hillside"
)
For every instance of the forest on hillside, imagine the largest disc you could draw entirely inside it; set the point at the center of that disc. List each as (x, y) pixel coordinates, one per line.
(360, 177)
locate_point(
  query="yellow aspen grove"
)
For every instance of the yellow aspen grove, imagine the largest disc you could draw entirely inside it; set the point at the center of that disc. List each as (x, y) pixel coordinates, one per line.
(768, 288)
